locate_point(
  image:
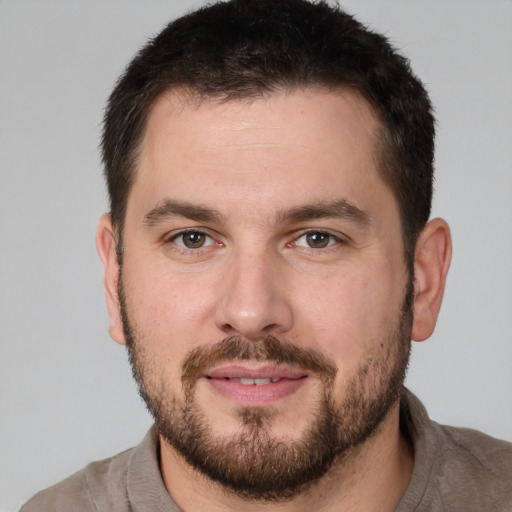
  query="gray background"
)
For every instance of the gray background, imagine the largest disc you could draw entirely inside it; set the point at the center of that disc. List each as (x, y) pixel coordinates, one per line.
(66, 395)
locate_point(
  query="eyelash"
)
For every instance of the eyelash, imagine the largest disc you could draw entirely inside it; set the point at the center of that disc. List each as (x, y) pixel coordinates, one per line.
(190, 250)
(333, 240)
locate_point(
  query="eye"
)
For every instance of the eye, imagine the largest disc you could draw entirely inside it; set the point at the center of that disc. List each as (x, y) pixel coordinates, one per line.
(316, 240)
(192, 240)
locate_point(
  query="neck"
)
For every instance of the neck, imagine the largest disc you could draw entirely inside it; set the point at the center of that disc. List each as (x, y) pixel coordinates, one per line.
(373, 477)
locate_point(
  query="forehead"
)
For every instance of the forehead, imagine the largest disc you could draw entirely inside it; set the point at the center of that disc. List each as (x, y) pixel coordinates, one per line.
(344, 113)
(300, 146)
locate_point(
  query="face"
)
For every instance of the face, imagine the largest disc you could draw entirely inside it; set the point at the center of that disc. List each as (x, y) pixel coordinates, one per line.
(264, 290)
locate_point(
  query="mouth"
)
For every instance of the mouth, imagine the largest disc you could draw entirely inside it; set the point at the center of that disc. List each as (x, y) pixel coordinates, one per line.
(248, 386)
(255, 382)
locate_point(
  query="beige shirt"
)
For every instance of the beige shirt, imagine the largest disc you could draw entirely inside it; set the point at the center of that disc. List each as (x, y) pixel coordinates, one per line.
(455, 470)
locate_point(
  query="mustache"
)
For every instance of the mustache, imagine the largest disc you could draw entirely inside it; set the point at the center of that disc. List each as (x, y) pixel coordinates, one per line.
(269, 349)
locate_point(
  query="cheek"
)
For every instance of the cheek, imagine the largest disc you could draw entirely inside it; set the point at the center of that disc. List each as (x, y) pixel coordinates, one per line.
(168, 309)
(348, 316)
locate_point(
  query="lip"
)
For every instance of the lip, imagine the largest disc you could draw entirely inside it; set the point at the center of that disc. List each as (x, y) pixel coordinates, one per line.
(255, 372)
(284, 381)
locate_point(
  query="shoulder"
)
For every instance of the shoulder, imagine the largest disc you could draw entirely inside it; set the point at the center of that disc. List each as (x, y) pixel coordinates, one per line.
(486, 453)
(474, 460)
(472, 471)
(455, 468)
(105, 479)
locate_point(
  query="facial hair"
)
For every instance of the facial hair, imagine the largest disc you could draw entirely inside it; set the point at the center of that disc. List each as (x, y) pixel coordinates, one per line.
(254, 464)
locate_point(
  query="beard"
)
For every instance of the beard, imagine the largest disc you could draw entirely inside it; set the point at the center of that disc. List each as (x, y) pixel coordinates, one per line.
(254, 464)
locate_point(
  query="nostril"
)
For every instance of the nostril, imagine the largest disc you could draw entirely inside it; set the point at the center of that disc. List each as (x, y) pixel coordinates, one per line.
(227, 327)
(252, 311)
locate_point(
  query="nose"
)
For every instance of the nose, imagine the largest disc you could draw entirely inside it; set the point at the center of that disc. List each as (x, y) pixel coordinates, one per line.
(253, 301)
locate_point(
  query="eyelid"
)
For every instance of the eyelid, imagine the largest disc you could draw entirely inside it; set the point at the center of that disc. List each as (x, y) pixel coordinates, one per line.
(171, 238)
(338, 237)
(180, 231)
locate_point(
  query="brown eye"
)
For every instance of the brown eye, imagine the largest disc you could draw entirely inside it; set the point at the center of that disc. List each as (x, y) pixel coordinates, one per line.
(318, 240)
(192, 240)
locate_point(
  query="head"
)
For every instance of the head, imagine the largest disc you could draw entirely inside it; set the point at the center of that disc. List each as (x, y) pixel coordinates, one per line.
(268, 255)
(248, 49)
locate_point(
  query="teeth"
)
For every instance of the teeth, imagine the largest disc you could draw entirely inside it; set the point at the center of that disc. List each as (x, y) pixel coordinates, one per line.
(257, 382)
(260, 382)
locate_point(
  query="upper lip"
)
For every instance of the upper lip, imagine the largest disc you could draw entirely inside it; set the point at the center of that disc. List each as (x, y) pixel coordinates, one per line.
(238, 371)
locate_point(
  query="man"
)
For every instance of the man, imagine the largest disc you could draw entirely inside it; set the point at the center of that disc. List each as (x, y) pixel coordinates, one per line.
(268, 258)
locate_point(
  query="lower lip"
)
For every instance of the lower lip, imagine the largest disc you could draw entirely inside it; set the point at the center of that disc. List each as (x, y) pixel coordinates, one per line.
(255, 395)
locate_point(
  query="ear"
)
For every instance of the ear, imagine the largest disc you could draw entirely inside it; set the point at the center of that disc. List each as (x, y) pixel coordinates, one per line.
(106, 246)
(431, 262)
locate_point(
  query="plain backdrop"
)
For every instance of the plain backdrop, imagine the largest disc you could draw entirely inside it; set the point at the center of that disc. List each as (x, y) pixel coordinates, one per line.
(66, 394)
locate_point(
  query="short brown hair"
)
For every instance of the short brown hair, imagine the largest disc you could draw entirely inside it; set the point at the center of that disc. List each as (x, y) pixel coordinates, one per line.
(243, 48)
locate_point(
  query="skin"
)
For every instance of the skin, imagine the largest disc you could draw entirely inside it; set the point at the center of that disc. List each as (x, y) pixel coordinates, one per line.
(253, 163)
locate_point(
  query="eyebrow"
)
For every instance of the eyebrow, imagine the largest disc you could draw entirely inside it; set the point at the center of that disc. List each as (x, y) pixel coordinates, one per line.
(169, 208)
(338, 209)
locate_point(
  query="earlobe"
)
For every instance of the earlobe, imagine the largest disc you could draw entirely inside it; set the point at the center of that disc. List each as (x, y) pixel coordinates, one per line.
(106, 246)
(431, 263)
